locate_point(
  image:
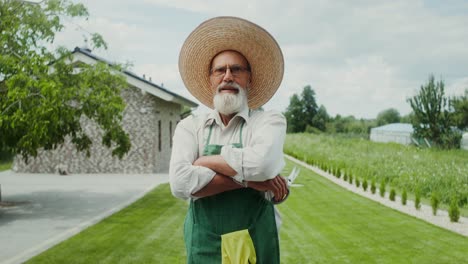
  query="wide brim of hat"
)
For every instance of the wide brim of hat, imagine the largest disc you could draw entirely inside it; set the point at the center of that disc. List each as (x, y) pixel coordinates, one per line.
(231, 33)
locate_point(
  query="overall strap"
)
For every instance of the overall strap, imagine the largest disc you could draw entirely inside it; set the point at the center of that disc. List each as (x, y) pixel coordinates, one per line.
(240, 135)
(242, 126)
(209, 135)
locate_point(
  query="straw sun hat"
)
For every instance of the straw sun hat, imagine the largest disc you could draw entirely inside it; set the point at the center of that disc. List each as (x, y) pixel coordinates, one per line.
(231, 33)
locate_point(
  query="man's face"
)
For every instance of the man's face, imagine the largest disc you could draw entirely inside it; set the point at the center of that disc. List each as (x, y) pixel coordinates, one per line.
(228, 67)
(230, 79)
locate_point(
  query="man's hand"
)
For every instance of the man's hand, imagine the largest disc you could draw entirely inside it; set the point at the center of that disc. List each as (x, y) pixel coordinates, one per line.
(277, 185)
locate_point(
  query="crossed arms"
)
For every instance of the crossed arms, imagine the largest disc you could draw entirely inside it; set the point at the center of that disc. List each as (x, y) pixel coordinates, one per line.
(222, 181)
(258, 164)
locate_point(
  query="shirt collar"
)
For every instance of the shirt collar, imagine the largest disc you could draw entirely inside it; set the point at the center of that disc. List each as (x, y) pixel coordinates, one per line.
(213, 116)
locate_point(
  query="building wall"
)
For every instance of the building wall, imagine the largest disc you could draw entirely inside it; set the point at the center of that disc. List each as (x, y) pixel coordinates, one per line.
(148, 121)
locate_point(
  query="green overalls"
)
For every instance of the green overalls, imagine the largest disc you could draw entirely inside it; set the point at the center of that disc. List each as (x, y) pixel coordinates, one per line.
(231, 227)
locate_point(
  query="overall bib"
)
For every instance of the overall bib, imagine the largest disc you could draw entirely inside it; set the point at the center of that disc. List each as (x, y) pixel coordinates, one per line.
(235, 226)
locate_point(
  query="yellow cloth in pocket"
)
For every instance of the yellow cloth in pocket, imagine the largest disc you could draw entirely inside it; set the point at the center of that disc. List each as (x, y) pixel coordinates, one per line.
(238, 248)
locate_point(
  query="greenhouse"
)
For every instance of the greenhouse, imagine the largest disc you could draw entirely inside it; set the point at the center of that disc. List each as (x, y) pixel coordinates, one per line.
(464, 141)
(396, 132)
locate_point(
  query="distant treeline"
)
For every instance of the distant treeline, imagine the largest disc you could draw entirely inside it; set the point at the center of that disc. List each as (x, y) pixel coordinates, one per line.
(435, 117)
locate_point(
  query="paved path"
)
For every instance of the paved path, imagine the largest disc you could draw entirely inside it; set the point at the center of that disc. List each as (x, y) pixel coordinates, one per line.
(49, 208)
(425, 213)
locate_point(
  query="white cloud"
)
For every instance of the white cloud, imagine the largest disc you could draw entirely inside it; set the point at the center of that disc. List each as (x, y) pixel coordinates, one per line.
(457, 87)
(363, 85)
(360, 57)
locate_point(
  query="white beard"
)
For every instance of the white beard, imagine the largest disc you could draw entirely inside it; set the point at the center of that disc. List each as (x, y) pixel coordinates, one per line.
(230, 103)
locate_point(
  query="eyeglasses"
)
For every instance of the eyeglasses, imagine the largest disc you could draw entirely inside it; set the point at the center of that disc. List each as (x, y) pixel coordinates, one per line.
(236, 70)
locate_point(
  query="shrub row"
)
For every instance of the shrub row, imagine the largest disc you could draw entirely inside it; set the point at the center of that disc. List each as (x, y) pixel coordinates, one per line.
(400, 166)
(454, 211)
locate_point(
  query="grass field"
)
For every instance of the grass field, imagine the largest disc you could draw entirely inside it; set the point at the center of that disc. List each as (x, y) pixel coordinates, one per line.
(322, 223)
(403, 167)
(6, 160)
(5, 165)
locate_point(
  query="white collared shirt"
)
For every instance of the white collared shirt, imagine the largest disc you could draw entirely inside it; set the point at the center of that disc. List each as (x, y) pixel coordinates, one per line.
(260, 158)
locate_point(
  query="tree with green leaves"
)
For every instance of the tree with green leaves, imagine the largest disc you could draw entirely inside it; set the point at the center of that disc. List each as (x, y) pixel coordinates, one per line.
(43, 95)
(388, 116)
(321, 119)
(460, 111)
(431, 118)
(294, 115)
(309, 104)
(301, 110)
(407, 118)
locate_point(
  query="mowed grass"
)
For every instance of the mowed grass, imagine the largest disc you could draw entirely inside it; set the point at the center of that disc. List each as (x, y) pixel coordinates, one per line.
(6, 160)
(5, 165)
(322, 223)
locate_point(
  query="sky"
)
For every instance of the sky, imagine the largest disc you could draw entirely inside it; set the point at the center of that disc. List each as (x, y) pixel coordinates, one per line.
(360, 57)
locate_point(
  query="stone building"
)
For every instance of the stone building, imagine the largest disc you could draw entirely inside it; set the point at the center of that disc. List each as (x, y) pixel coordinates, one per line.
(150, 118)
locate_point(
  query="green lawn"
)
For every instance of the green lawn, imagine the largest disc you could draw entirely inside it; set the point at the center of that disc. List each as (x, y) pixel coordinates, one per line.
(322, 223)
(5, 165)
(6, 160)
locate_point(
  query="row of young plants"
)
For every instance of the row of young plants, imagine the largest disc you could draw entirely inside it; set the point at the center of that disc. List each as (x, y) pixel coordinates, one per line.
(454, 211)
(437, 175)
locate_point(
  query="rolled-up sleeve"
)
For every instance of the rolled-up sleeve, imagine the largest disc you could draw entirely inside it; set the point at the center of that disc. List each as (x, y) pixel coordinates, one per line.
(185, 178)
(262, 159)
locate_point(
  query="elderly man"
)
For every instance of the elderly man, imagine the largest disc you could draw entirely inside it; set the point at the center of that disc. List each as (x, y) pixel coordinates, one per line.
(226, 161)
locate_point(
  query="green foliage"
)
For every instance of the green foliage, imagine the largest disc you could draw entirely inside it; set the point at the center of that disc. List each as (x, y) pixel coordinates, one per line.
(301, 111)
(358, 183)
(388, 116)
(6, 160)
(294, 115)
(336, 172)
(186, 111)
(460, 111)
(451, 139)
(432, 118)
(435, 200)
(321, 119)
(41, 104)
(350, 125)
(417, 199)
(345, 177)
(365, 185)
(392, 195)
(309, 104)
(6, 155)
(407, 118)
(373, 187)
(350, 179)
(312, 130)
(406, 167)
(382, 188)
(454, 211)
(404, 197)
